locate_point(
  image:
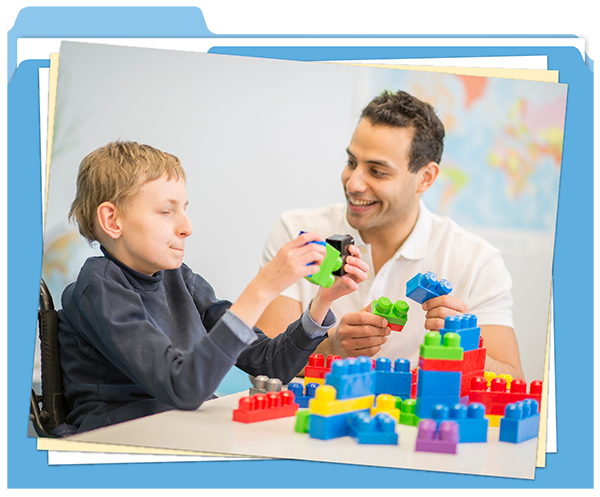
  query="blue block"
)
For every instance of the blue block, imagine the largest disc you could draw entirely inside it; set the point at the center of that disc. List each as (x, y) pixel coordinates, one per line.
(397, 382)
(425, 404)
(377, 430)
(329, 427)
(303, 394)
(472, 422)
(521, 422)
(426, 286)
(351, 377)
(464, 325)
(445, 383)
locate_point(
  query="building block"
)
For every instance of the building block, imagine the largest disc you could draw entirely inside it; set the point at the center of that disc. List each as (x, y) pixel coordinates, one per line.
(473, 426)
(262, 407)
(377, 430)
(407, 413)
(301, 425)
(303, 394)
(264, 384)
(425, 404)
(497, 396)
(442, 439)
(329, 427)
(466, 326)
(440, 364)
(434, 348)
(426, 286)
(413, 388)
(465, 382)
(352, 377)
(318, 381)
(326, 404)
(474, 360)
(494, 419)
(332, 262)
(341, 244)
(521, 422)
(387, 404)
(397, 382)
(396, 314)
(432, 383)
(317, 367)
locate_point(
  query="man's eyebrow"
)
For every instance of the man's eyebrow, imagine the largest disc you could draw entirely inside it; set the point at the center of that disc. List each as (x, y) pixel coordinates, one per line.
(382, 163)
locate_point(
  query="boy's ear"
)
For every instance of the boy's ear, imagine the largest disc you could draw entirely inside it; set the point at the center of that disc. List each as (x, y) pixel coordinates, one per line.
(107, 219)
(427, 174)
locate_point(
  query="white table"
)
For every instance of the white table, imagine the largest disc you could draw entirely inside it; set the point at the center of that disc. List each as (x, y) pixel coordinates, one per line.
(211, 429)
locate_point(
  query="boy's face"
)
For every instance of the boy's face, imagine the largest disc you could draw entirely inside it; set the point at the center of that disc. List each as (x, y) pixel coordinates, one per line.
(154, 227)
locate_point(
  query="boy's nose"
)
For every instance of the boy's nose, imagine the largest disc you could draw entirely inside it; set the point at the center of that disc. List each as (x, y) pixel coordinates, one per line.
(185, 228)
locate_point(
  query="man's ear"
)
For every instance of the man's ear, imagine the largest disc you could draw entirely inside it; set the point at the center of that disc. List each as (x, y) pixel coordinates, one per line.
(427, 176)
(107, 219)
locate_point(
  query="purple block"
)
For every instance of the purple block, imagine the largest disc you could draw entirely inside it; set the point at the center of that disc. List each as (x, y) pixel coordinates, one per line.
(443, 440)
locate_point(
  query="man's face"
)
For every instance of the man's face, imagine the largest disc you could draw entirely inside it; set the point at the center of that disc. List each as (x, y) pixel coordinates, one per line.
(380, 191)
(154, 227)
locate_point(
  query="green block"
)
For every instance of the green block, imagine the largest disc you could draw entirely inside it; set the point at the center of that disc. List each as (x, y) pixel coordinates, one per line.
(332, 262)
(394, 313)
(302, 421)
(407, 413)
(433, 348)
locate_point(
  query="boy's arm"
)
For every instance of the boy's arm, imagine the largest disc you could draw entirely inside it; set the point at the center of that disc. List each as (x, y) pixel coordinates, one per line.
(113, 321)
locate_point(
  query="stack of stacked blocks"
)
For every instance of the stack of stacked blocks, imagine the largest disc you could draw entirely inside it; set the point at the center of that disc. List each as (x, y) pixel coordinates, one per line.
(359, 399)
(499, 392)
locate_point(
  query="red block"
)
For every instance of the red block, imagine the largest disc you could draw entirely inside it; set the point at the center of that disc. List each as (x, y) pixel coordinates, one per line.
(396, 327)
(262, 407)
(317, 368)
(474, 360)
(465, 382)
(497, 396)
(413, 386)
(440, 364)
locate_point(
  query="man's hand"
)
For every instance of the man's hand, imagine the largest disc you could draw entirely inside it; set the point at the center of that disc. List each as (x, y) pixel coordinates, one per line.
(360, 333)
(439, 308)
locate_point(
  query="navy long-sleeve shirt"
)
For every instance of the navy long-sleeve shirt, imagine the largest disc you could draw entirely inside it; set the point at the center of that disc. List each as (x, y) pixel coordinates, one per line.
(133, 345)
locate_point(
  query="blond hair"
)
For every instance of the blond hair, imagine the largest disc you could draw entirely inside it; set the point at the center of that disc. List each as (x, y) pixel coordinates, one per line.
(115, 173)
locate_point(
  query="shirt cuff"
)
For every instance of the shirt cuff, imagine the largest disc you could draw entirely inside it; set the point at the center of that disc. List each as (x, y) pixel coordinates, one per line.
(239, 328)
(314, 330)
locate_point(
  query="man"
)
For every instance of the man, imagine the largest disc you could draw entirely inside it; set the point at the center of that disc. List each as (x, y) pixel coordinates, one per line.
(393, 158)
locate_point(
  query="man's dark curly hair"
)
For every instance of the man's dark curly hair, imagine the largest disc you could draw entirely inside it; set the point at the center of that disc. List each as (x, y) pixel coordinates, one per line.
(402, 110)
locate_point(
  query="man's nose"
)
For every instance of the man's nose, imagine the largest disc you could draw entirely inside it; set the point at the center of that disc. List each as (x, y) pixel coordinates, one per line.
(356, 181)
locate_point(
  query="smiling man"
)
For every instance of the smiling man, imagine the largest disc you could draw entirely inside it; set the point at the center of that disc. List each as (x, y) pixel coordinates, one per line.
(393, 158)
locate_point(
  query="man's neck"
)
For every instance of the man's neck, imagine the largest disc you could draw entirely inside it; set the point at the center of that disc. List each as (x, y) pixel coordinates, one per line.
(385, 241)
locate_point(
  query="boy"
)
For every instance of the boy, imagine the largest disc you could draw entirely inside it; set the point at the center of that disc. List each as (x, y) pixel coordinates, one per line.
(140, 333)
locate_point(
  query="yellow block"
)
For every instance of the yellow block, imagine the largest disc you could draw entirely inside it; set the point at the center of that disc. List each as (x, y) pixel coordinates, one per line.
(308, 380)
(325, 403)
(494, 419)
(386, 403)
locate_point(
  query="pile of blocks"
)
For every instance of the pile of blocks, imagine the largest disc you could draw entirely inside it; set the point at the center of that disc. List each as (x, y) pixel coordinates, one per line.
(354, 401)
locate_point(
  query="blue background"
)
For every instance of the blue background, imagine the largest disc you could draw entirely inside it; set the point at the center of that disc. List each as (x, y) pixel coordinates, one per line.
(571, 467)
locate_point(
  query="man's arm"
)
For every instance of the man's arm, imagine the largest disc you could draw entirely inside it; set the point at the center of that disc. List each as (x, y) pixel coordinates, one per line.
(502, 350)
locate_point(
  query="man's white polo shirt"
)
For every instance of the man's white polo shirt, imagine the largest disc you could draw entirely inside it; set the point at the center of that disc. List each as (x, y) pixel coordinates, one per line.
(473, 266)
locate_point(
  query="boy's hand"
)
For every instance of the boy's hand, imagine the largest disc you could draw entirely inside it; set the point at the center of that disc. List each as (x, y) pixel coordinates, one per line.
(356, 272)
(438, 309)
(296, 259)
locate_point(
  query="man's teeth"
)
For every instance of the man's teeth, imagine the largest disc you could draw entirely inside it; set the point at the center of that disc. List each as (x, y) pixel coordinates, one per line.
(361, 203)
